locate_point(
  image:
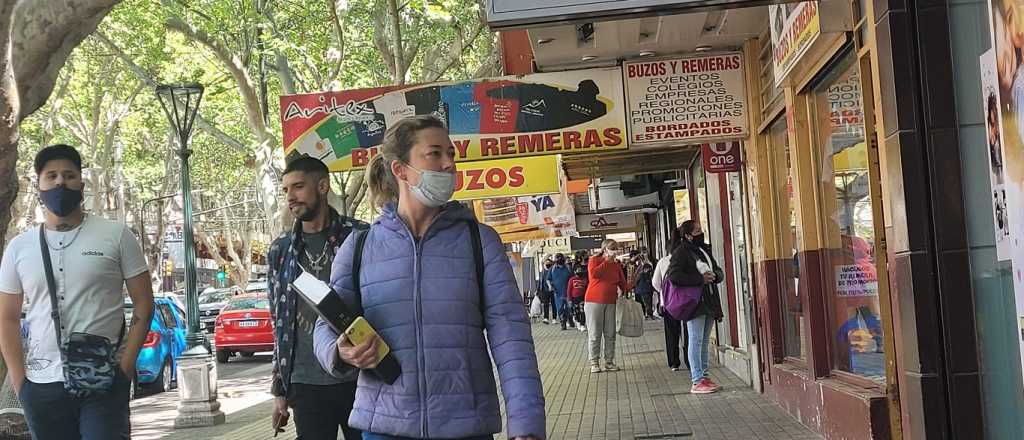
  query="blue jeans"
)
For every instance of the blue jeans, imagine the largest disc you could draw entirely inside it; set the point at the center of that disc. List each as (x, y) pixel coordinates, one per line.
(559, 305)
(369, 436)
(697, 348)
(52, 413)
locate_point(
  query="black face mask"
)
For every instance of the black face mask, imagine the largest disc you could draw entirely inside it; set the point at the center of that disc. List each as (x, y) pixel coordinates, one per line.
(61, 201)
(560, 262)
(698, 240)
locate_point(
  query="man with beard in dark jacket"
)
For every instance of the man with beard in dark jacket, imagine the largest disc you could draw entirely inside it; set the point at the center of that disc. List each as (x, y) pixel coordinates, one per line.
(321, 402)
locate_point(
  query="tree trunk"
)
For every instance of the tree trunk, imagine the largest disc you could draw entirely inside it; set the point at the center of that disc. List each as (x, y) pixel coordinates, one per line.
(10, 106)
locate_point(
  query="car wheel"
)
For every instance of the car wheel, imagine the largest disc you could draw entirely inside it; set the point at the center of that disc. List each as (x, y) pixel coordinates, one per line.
(247, 354)
(222, 356)
(164, 380)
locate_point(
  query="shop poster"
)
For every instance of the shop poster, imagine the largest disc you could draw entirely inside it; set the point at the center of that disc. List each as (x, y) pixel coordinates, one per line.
(994, 147)
(499, 118)
(1010, 79)
(529, 218)
(684, 101)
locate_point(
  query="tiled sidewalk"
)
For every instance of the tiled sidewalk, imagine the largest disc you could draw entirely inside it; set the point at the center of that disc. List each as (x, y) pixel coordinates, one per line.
(644, 401)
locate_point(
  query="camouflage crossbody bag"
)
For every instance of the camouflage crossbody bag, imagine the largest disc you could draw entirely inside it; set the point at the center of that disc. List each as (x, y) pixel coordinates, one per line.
(90, 367)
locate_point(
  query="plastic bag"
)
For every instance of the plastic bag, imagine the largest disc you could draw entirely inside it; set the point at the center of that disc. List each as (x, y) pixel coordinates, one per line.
(535, 307)
(631, 318)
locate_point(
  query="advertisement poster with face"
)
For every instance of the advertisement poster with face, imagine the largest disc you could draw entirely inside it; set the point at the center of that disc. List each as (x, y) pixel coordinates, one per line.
(994, 147)
(1008, 45)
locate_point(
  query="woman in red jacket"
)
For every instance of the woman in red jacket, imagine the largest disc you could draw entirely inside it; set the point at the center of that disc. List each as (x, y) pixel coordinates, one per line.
(606, 281)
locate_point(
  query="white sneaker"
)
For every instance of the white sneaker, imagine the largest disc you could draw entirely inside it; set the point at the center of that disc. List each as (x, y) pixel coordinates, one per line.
(595, 369)
(611, 367)
(583, 328)
(546, 321)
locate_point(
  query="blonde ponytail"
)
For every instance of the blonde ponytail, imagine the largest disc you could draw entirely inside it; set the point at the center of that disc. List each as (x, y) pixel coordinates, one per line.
(382, 183)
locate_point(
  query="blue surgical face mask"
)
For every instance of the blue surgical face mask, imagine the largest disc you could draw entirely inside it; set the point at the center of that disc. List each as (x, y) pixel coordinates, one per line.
(435, 188)
(61, 200)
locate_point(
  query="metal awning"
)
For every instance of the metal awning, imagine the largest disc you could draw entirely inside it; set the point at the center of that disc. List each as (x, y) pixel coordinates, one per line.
(629, 162)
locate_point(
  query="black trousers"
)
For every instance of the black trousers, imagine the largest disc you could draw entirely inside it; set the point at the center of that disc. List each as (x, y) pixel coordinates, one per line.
(647, 302)
(673, 330)
(549, 308)
(320, 410)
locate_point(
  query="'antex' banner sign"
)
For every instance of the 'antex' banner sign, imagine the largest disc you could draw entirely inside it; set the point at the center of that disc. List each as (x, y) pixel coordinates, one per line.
(552, 113)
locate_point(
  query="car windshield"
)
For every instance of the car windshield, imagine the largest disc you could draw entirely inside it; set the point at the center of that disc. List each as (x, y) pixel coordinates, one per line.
(248, 303)
(214, 297)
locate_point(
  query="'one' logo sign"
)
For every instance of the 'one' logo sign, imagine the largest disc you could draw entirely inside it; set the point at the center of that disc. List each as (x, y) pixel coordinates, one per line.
(722, 157)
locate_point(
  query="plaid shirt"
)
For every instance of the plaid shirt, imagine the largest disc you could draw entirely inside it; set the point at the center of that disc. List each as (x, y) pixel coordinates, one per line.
(283, 258)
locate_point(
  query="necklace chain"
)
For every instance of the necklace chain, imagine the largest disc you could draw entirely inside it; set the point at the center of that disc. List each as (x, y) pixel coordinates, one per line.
(75, 237)
(317, 263)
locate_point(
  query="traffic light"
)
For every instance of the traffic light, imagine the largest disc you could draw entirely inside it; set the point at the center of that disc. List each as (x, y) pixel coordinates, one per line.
(222, 276)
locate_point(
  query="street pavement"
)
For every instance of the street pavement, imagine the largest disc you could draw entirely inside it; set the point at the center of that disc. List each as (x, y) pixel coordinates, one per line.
(244, 384)
(644, 401)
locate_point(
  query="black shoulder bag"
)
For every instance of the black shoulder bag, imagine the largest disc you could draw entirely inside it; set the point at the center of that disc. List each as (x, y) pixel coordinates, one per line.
(89, 360)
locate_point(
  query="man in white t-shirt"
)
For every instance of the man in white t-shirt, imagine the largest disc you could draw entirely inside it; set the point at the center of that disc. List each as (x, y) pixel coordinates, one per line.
(92, 260)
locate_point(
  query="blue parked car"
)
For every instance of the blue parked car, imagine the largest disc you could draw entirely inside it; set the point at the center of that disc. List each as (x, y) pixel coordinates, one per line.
(157, 363)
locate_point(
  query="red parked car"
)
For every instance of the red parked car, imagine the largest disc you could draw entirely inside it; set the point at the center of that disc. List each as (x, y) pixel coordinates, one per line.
(243, 327)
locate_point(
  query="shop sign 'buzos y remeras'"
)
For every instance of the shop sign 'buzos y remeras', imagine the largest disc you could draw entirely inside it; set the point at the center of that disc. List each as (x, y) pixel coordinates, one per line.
(686, 100)
(549, 113)
(794, 27)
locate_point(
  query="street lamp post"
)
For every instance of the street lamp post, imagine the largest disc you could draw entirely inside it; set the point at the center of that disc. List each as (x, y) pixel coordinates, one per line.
(181, 104)
(197, 373)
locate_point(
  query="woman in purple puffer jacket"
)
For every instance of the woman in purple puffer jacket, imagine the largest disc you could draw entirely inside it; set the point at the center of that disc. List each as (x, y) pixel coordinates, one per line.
(419, 290)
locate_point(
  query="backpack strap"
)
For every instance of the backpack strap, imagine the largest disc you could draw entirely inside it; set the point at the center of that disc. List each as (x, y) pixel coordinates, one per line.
(478, 259)
(357, 263)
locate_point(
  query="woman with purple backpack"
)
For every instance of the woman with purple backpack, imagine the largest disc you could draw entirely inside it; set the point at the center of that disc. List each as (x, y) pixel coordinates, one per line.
(691, 265)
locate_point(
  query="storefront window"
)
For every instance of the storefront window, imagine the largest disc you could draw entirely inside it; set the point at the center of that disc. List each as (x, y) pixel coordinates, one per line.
(682, 197)
(851, 282)
(793, 322)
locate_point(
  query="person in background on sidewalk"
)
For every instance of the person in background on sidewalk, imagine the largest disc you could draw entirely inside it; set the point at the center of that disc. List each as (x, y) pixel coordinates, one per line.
(577, 291)
(73, 370)
(321, 402)
(558, 278)
(674, 329)
(644, 288)
(693, 265)
(419, 288)
(606, 282)
(546, 292)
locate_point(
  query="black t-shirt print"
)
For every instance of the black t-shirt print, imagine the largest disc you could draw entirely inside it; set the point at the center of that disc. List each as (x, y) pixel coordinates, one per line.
(427, 101)
(371, 133)
(543, 107)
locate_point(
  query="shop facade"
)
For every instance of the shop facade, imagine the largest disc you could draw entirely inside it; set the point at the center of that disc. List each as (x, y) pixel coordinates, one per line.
(866, 293)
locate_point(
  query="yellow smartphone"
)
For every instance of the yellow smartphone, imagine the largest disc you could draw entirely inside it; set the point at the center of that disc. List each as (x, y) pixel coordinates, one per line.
(361, 331)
